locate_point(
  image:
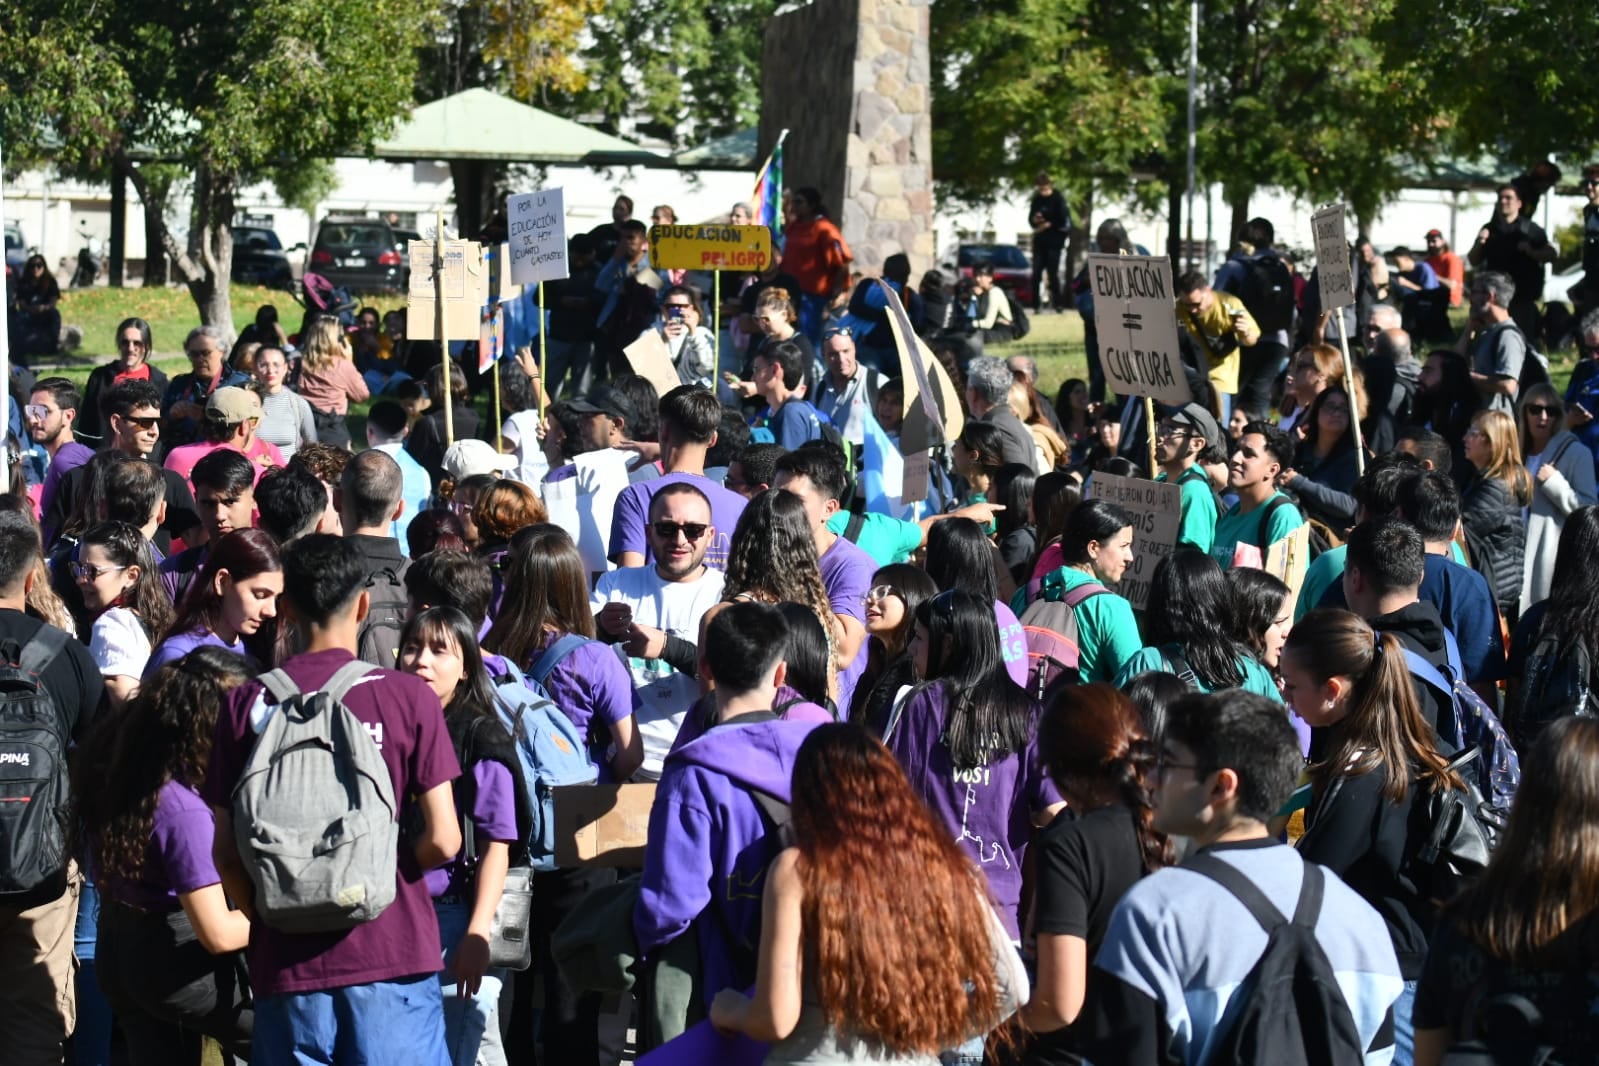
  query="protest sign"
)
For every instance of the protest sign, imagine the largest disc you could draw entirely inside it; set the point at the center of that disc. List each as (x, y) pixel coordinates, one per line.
(466, 290)
(1135, 314)
(1288, 558)
(536, 230)
(1332, 258)
(1156, 507)
(650, 358)
(744, 248)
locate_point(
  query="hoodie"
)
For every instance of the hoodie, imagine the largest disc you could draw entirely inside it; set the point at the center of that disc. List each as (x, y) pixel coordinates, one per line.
(709, 847)
(1420, 629)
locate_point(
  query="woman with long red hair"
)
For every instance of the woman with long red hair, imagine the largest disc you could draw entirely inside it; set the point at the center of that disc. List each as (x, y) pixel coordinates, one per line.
(878, 942)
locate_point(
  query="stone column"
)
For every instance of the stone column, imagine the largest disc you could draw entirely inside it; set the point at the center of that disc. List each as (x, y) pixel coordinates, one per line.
(851, 81)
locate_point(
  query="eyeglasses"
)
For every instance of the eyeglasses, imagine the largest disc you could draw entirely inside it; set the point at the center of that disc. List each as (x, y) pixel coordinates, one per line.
(1537, 410)
(881, 592)
(129, 342)
(37, 410)
(198, 353)
(1171, 430)
(668, 531)
(90, 572)
(146, 422)
(838, 331)
(1164, 762)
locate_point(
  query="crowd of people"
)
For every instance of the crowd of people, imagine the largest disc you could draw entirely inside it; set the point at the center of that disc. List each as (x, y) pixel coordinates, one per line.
(927, 788)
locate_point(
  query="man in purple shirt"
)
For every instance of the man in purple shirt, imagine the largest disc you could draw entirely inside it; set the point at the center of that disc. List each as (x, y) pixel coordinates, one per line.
(51, 413)
(689, 419)
(815, 473)
(369, 993)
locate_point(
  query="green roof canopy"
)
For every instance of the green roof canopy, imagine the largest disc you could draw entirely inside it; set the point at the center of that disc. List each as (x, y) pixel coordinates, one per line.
(483, 125)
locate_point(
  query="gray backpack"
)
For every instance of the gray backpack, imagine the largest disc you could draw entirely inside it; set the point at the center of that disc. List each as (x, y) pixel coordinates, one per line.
(314, 811)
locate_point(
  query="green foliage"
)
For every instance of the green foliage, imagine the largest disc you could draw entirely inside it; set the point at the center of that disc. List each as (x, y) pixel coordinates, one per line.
(305, 184)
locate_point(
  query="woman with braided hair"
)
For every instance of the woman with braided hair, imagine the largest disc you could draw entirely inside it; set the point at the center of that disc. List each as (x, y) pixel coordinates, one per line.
(772, 559)
(1093, 742)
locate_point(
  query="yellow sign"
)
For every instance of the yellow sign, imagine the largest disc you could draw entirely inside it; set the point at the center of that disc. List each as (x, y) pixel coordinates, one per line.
(746, 248)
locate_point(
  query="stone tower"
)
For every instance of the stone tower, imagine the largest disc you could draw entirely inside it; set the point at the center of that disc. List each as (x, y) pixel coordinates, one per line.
(850, 81)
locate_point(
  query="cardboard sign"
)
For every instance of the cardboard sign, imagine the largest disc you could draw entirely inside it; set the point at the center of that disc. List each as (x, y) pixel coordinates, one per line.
(650, 358)
(1288, 558)
(602, 825)
(583, 505)
(1135, 315)
(1332, 258)
(1157, 508)
(746, 248)
(914, 476)
(466, 290)
(536, 228)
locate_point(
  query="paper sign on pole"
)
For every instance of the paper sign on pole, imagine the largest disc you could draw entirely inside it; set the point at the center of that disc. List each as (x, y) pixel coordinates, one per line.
(1288, 558)
(1332, 258)
(536, 224)
(1156, 507)
(651, 359)
(466, 290)
(747, 248)
(1136, 317)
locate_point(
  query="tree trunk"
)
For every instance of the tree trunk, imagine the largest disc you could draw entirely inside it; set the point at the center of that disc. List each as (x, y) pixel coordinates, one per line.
(1238, 202)
(1081, 240)
(1174, 223)
(153, 189)
(206, 267)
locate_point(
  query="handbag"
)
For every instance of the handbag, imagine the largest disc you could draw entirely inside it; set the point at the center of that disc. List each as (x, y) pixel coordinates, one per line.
(510, 937)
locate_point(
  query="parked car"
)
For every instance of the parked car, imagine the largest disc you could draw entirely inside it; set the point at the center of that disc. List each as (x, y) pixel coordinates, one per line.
(359, 254)
(259, 258)
(1012, 271)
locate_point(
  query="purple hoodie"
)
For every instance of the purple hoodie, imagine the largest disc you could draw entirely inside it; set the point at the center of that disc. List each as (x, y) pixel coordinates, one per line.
(707, 848)
(795, 708)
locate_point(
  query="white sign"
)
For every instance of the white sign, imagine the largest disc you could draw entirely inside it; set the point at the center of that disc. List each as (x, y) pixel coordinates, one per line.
(1135, 314)
(1157, 509)
(536, 225)
(1332, 258)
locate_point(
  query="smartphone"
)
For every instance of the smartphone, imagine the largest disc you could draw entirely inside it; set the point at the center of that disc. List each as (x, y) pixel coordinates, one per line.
(672, 313)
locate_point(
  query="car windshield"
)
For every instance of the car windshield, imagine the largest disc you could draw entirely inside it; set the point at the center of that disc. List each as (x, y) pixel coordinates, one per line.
(1000, 255)
(256, 238)
(353, 235)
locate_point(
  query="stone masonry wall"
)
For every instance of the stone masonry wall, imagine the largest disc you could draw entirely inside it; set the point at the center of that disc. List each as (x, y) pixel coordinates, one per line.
(851, 81)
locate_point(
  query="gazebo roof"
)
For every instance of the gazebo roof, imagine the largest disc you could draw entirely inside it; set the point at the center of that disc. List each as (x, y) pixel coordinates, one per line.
(483, 125)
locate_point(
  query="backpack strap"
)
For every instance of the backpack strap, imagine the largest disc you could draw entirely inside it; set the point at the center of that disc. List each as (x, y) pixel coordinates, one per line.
(1172, 657)
(279, 685)
(852, 528)
(1083, 593)
(554, 655)
(42, 649)
(1266, 512)
(344, 679)
(1241, 888)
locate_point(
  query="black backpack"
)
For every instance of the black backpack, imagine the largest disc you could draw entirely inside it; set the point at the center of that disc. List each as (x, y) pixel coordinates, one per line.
(1289, 1010)
(1559, 682)
(33, 772)
(1505, 1030)
(1268, 293)
(1020, 325)
(387, 607)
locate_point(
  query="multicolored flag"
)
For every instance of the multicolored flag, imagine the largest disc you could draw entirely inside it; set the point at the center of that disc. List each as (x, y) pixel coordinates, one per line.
(768, 195)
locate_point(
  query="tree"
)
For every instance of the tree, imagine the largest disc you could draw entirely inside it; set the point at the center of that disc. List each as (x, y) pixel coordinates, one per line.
(234, 90)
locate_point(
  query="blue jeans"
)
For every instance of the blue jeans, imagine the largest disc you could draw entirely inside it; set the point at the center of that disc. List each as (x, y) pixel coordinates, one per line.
(91, 1040)
(471, 1024)
(1405, 1026)
(379, 1023)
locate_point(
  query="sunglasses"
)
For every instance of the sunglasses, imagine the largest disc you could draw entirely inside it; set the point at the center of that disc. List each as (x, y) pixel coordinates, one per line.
(37, 411)
(198, 353)
(838, 331)
(881, 592)
(668, 531)
(1534, 409)
(147, 422)
(124, 342)
(90, 572)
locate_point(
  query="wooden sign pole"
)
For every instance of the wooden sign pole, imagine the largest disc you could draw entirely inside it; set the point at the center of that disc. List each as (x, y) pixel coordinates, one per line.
(446, 367)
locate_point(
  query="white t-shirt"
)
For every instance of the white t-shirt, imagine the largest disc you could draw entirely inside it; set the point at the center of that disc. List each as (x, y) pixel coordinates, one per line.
(522, 430)
(675, 607)
(118, 644)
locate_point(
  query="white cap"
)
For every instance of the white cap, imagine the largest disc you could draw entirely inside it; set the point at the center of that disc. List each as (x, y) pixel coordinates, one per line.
(466, 458)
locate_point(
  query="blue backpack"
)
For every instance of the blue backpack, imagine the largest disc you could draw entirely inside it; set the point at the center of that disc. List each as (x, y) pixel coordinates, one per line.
(1476, 726)
(550, 748)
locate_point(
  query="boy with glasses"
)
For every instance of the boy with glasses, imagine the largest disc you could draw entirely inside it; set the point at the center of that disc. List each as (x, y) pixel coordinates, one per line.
(1184, 437)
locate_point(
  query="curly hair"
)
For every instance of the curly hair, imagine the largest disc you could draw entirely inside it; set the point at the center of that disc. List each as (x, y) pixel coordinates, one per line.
(165, 734)
(893, 912)
(772, 556)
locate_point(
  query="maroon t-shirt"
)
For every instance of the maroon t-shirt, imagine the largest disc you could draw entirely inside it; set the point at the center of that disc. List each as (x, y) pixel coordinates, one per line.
(404, 718)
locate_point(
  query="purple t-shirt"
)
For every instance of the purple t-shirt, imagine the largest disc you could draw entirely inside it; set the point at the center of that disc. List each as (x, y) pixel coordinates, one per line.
(178, 859)
(1012, 643)
(988, 810)
(591, 683)
(69, 457)
(493, 820)
(403, 716)
(178, 645)
(847, 574)
(633, 511)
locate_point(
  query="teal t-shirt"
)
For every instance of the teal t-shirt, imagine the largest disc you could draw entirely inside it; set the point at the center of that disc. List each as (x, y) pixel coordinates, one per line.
(1235, 528)
(1257, 678)
(885, 538)
(1107, 632)
(1197, 526)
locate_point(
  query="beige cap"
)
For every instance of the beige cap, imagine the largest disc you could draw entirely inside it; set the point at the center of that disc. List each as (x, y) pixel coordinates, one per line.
(233, 405)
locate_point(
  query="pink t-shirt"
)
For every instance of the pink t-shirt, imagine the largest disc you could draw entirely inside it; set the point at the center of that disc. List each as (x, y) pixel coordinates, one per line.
(182, 460)
(330, 390)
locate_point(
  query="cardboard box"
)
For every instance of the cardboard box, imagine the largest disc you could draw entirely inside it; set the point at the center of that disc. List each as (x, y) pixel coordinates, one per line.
(602, 825)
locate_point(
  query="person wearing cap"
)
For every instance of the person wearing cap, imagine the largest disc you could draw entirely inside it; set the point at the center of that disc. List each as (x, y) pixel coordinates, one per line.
(386, 430)
(607, 418)
(1185, 437)
(1449, 268)
(469, 458)
(232, 414)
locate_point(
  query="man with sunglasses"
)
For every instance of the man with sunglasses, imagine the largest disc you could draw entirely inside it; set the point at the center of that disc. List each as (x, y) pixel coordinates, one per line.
(51, 413)
(652, 614)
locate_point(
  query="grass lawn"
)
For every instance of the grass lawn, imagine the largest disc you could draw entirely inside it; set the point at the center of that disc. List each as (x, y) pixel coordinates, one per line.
(1056, 343)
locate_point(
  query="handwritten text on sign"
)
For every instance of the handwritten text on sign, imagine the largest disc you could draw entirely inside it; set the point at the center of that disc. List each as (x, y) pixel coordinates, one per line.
(746, 248)
(536, 231)
(1135, 316)
(1332, 258)
(1156, 507)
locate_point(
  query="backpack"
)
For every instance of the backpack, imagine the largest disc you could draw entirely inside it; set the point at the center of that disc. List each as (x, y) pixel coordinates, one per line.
(1049, 626)
(1289, 1010)
(1020, 325)
(852, 528)
(387, 606)
(1559, 682)
(1268, 293)
(538, 676)
(314, 810)
(551, 752)
(33, 772)
(1498, 773)
(1461, 831)
(1534, 365)
(1174, 662)
(1503, 1030)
